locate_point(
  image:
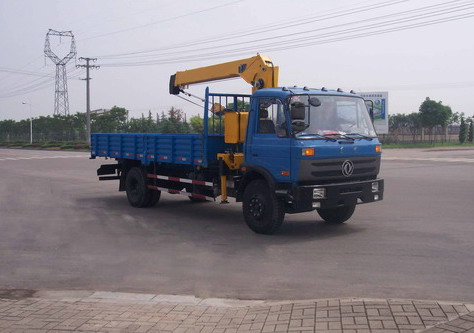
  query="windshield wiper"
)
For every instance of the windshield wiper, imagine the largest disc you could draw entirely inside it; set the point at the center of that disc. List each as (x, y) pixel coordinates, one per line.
(361, 136)
(340, 135)
(315, 136)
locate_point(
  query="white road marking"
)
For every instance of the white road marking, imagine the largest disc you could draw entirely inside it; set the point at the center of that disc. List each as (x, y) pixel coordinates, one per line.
(41, 157)
(431, 159)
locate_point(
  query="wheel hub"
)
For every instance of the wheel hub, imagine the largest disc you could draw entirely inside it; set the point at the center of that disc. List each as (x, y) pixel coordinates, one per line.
(257, 207)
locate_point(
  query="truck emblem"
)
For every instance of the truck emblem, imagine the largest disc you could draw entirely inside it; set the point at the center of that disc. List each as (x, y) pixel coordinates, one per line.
(347, 168)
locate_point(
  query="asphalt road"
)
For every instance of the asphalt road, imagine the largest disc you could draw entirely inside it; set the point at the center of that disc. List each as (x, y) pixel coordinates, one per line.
(60, 228)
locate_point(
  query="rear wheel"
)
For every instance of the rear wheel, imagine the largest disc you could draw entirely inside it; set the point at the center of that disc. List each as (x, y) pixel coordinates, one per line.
(138, 194)
(263, 212)
(337, 215)
(154, 198)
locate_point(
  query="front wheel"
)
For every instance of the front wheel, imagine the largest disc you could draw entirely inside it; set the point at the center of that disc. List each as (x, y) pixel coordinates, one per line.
(263, 212)
(337, 215)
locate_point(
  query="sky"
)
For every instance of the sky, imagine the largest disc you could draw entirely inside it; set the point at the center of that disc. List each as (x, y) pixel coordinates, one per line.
(412, 49)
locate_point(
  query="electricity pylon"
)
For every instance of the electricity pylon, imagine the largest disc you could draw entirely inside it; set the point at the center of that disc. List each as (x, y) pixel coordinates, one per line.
(61, 100)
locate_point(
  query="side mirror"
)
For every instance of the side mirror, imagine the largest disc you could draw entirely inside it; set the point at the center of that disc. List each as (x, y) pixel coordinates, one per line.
(370, 107)
(314, 101)
(297, 110)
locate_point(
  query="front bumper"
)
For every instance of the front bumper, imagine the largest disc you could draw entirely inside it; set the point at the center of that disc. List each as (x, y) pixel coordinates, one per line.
(336, 195)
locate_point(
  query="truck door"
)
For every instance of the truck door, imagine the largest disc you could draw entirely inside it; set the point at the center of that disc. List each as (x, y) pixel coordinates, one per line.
(268, 142)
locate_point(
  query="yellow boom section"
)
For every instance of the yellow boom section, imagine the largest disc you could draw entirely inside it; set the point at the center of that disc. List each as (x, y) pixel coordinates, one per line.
(258, 71)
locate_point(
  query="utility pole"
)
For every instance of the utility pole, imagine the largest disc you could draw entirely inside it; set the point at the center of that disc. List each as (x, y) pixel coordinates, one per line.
(87, 66)
(31, 122)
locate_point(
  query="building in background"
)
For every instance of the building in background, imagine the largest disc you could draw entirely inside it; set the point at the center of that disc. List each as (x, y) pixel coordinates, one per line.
(380, 100)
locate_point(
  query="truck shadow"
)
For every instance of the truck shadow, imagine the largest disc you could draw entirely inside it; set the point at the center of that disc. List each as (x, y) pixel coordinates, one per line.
(313, 229)
(217, 219)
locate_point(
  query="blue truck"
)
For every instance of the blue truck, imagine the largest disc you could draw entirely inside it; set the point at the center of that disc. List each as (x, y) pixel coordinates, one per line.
(280, 150)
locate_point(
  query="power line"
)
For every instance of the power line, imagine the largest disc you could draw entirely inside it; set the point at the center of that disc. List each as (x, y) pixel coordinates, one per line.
(345, 34)
(21, 72)
(285, 44)
(442, 11)
(271, 27)
(162, 21)
(32, 86)
(22, 67)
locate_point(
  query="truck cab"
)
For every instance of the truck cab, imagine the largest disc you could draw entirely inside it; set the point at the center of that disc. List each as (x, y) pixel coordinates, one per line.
(317, 148)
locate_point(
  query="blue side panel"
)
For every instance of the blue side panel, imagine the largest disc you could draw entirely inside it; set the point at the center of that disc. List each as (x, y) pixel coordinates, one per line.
(215, 145)
(186, 149)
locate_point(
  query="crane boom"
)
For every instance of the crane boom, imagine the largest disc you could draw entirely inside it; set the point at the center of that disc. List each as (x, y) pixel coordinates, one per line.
(259, 71)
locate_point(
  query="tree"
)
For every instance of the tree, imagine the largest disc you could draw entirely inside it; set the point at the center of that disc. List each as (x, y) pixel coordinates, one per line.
(175, 122)
(462, 131)
(455, 118)
(109, 122)
(241, 106)
(435, 114)
(197, 124)
(470, 137)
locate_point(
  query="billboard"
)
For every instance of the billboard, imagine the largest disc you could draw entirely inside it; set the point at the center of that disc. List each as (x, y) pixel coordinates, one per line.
(380, 100)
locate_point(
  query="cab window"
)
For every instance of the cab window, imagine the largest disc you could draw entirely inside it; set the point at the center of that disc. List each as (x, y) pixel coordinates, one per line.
(271, 117)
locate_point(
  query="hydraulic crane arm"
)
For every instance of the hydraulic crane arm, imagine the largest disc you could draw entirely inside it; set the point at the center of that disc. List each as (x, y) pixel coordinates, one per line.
(258, 71)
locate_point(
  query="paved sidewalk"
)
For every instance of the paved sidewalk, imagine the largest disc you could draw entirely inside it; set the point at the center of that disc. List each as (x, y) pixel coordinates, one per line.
(62, 311)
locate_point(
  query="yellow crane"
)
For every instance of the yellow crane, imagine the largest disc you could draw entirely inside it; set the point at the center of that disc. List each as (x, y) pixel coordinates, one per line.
(259, 71)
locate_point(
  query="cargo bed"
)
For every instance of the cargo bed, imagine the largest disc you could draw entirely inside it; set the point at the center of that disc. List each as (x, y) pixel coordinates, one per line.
(187, 149)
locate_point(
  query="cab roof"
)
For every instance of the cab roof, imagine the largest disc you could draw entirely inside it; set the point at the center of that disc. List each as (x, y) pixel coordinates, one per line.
(283, 92)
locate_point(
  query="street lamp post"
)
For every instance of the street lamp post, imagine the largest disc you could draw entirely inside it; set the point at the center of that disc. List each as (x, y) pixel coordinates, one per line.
(31, 122)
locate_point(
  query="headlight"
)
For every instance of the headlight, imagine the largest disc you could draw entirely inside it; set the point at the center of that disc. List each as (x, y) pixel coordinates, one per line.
(319, 193)
(375, 187)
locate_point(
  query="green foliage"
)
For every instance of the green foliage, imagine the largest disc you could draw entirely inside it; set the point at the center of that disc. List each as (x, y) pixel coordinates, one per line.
(434, 113)
(216, 124)
(456, 117)
(412, 120)
(470, 136)
(197, 124)
(174, 123)
(241, 106)
(109, 122)
(59, 128)
(462, 131)
(425, 145)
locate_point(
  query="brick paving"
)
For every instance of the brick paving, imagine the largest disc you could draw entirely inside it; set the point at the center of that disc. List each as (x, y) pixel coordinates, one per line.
(64, 311)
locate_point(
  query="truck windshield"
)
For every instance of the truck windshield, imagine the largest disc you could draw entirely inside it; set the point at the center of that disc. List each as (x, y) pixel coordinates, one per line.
(330, 116)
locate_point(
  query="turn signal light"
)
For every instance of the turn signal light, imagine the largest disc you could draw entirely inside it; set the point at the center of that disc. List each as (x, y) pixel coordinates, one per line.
(378, 148)
(307, 152)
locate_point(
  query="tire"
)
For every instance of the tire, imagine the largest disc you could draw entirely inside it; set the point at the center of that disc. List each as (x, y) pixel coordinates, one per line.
(154, 198)
(138, 194)
(337, 215)
(262, 210)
